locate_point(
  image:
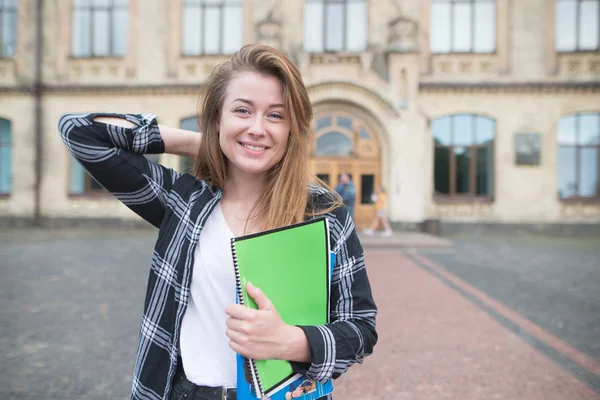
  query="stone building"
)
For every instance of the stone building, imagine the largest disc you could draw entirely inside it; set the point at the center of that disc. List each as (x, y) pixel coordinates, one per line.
(481, 111)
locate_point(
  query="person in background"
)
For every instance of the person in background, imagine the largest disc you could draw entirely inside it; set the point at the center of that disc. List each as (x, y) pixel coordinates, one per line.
(380, 200)
(347, 191)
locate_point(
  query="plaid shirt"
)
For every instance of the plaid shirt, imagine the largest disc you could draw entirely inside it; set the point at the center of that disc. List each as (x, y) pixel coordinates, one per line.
(179, 205)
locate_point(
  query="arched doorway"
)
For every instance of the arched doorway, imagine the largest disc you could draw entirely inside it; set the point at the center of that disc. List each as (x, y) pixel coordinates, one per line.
(344, 143)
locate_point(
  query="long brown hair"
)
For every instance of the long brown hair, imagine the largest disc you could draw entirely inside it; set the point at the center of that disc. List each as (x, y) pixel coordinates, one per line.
(285, 198)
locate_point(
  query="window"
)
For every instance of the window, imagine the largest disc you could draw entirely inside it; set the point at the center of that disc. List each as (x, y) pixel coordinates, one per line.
(577, 25)
(5, 157)
(99, 28)
(80, 182)
(464, 155)
(187, 163)
(211, 27)
(463, 26)
(335, 25)
(578, 137)
(8, 28)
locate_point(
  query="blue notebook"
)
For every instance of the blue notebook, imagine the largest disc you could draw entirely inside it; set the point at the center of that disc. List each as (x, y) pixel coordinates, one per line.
(301, 388)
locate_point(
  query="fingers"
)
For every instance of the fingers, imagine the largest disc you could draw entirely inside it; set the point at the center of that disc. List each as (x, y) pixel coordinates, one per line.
(261, 300)
(239, 312)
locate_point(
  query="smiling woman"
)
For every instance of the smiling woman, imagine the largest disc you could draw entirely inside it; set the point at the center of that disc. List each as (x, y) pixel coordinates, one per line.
(251, 174)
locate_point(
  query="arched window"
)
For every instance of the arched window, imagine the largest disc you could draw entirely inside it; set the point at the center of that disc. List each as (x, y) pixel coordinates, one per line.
(5, 157)
(334, 144)
(464, 155)
(190, 124)
(578, 138)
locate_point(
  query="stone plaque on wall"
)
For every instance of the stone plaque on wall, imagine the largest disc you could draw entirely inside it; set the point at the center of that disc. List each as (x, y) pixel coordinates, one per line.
(527, 148)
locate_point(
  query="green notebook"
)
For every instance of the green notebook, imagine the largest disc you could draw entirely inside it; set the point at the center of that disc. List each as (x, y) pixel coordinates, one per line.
(291, 265)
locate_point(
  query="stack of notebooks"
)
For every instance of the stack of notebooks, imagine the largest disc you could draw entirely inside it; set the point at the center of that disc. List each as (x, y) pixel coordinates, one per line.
(293, 266)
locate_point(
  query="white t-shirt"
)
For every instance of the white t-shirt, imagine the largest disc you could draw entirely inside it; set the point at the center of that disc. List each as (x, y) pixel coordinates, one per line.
(207, 358)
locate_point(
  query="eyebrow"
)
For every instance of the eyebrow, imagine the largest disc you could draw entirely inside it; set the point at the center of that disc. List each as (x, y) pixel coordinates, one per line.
(251, 103)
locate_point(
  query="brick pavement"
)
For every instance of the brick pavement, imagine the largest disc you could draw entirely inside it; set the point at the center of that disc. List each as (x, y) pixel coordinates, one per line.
(64, 335)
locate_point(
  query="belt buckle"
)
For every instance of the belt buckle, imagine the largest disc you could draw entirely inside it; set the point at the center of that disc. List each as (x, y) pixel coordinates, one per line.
(223, 393)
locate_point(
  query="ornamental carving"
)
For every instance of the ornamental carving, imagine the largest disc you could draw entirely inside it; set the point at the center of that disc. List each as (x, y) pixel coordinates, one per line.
(402, 35)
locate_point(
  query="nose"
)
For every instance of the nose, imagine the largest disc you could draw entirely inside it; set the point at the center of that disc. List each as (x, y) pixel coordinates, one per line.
(257, 126)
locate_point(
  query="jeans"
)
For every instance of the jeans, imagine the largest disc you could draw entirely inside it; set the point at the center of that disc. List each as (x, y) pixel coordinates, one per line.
(183, 389)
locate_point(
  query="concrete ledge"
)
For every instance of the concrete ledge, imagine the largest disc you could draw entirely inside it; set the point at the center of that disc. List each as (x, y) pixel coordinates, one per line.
(554, 229)
(404, 240)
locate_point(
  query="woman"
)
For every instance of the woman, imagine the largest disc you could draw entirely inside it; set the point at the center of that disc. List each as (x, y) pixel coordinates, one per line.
(380, 199)
(250, 175)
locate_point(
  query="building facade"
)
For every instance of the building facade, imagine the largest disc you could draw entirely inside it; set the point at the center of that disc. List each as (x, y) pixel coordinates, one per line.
(463, 110)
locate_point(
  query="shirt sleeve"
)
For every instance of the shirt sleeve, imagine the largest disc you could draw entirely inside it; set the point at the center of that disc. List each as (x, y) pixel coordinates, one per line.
(351, 334)
(113, 156)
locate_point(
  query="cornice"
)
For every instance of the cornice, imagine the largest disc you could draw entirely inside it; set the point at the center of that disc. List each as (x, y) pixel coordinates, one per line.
(510, 87)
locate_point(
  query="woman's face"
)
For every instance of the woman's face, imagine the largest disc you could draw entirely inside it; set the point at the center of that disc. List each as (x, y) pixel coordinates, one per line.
(253, 129)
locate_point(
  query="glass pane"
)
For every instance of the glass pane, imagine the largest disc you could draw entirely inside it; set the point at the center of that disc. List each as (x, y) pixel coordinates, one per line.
(324, 178)
(5, 169)
(485, 171)
(461, 29)
(463, 169)
(334, 144)
(485, 27)
(5, 132)
(9, 34)
(232, 35)
(100, 24)
(101, 3)
(462, 130)
(76, 177)
(187, 165)
(367, 186)
(588, 169)
(484, 130)
(364, 134)
(121, 3)
(566, 22)
(442, 170)
(192, 2)
(440, 129)
(81, 3)
(80, 39)
(440, 28)
(356, 26)
(567, 172)
(313, 27)
(566, 130)
(589, 128)
(589, 18)
(94, 186)
(335, 27)
(323, 122)
(155, 158)
(344, 122)
(212, 30)
(191, 31)
(190, 124)
(120, 32)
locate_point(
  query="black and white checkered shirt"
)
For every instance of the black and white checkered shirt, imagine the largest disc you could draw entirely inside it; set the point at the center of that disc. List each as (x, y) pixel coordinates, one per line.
(179, 205)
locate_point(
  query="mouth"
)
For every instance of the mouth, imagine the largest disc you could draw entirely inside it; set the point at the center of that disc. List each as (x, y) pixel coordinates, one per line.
(252, 147)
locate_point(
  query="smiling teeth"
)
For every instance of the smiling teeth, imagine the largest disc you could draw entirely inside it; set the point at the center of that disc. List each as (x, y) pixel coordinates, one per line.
(255, 148)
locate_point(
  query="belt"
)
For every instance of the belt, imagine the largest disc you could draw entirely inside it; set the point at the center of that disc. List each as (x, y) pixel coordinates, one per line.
(191, 391)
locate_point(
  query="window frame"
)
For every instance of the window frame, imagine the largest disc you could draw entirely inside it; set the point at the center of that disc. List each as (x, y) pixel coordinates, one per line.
(472, 196)
(110, 33)
(203, 6)
(8, 145)
(472, 33)
(578, 150)
(5, 9)
(577, 26)
(323, 27)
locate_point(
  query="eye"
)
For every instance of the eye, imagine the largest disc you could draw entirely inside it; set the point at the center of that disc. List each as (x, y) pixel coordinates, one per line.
(276, 115)
(242, 111)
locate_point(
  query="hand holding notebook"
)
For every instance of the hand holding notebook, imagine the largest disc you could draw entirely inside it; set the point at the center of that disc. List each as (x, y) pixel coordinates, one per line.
(261, 334)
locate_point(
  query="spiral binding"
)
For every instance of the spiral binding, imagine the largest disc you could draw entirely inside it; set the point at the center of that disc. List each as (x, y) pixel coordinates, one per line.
(238, 285)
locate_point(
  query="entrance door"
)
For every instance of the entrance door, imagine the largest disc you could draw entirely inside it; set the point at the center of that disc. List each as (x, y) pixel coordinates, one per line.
(364, 175)
(346, 144)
